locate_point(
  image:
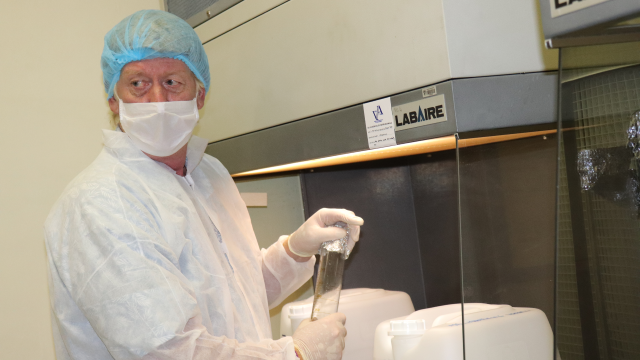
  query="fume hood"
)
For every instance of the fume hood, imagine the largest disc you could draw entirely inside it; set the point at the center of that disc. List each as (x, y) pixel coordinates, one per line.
(461, 209)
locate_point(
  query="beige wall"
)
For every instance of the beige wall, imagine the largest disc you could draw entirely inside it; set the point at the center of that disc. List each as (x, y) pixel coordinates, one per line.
(52, 109)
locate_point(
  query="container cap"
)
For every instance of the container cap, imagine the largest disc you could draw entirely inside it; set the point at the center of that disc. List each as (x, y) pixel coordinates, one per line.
(407, 327)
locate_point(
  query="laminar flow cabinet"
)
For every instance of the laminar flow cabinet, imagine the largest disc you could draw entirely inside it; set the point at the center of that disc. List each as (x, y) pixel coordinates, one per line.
(459, 210)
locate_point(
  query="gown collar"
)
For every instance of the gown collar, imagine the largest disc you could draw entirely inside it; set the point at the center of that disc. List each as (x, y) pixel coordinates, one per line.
(120, 143)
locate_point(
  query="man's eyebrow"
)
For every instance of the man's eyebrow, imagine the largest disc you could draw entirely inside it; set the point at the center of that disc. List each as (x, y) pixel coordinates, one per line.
(133, 72)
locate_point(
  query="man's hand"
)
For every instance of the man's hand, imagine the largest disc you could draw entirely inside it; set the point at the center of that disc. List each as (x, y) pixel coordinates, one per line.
(321, 339)
(306, 241)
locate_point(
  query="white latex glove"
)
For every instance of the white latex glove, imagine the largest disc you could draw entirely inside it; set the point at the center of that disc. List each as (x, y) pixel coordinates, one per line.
(321, 339)
(317, 229)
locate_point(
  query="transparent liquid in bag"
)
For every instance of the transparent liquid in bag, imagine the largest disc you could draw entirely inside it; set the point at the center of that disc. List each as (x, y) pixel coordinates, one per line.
(329, 282)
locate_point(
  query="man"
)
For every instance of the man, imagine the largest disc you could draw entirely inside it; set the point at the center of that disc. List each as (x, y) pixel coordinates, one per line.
(151, 250)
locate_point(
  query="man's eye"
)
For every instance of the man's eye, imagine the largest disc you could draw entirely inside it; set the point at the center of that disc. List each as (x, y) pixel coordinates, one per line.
(136, 83)
(171, 82)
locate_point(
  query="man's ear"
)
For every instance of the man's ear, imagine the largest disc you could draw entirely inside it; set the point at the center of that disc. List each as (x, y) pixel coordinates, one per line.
(200, 98)
(114, 105)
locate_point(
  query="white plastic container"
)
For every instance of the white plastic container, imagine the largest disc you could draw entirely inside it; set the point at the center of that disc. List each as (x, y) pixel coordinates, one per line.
(364, 308)
(491, 332)
(297, 313)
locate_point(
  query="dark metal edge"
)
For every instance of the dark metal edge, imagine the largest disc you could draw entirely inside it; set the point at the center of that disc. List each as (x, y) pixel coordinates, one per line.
(212, 11)
(472, 105)
(582, 19)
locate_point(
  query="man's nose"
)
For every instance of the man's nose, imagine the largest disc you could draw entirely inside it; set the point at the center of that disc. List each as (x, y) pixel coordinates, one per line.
(157, 93)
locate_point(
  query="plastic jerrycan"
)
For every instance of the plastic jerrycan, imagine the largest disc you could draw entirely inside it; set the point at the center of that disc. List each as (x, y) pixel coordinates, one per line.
(491, 332)
(364, 308)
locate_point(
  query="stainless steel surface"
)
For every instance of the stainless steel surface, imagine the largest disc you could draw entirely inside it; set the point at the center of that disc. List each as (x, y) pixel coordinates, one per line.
(608, 11)
(471, 105)
(195, 12)
(429, 131)
(596, 36)
(329, 134)
(505, 101)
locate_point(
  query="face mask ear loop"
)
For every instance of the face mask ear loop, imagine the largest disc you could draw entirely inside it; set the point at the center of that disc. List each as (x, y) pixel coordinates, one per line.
(196, 110)
(120, 107)
(120, 110)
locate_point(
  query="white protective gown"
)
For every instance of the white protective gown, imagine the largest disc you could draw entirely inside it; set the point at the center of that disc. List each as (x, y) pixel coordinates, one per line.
(144, 263)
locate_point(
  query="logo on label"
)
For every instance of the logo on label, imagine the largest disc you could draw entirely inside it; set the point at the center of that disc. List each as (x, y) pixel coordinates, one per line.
(561, 7)
(428, 111)
(377, 113)
(562, 3)
(413, 117)
(378, 120)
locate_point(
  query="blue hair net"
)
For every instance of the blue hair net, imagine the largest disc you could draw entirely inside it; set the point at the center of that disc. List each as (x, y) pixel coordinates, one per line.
(149, 34)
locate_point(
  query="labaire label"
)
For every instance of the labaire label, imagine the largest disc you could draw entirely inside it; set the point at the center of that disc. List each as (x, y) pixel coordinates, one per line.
(423, 112)
(561, 7)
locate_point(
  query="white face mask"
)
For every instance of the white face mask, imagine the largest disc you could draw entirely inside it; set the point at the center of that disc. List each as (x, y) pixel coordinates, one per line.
(159, 128)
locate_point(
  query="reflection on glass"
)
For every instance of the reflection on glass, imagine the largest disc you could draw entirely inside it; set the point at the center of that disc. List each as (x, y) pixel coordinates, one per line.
(507, 234)
(598, 295)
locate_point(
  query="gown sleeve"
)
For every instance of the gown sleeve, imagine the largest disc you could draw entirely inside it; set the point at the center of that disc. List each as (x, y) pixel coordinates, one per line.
(282, 274)
(195, 343)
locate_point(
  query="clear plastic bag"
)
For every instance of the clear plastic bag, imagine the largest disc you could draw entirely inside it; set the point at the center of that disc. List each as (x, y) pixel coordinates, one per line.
(329, 282)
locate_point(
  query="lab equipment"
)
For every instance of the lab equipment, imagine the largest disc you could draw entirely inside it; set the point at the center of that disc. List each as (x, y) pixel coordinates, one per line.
(491, 332)
(149, 34)
(364, 308)
(141, 263)
(448, 51)
(329, 282)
